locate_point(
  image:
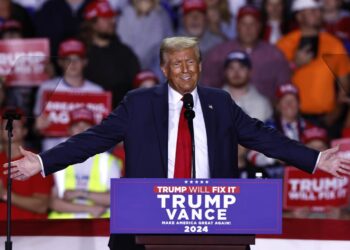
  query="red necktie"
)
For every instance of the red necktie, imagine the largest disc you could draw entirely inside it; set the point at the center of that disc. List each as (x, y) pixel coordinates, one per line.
(183, 149)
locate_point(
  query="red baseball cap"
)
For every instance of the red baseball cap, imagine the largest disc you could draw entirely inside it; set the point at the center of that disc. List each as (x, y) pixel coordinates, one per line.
(98, 8)
(144, 76)
(314, 133)
(285, 89)
(81, 114)
(249, 10)
(191, 5)
(71, 47)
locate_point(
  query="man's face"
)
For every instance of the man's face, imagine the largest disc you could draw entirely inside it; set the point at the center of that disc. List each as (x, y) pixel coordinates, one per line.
(194, 23)
(274, 8)
(73, 65)
(105, 26)
(237, 75)
(288, 106)
(182, 69)
(248, 29)
(310, 18)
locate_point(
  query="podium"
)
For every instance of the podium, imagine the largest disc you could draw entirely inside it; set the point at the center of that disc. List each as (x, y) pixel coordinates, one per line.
(189, 242)
(195, 214)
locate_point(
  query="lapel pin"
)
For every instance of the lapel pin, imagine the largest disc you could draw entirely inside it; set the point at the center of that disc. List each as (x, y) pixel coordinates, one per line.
(211, 106)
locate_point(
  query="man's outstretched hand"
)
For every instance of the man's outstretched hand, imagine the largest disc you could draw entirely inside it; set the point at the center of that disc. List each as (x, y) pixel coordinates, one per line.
(24, 168)
(332, 163)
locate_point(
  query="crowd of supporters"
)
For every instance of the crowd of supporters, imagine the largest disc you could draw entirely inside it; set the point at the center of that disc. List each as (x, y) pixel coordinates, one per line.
(284, 62)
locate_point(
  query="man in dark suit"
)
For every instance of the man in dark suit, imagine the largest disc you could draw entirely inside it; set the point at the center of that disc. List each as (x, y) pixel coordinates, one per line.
(151, 124)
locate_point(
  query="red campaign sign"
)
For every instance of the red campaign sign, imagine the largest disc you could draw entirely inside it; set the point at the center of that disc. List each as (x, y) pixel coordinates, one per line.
(319, 190)
(23, 61)
(57, 105)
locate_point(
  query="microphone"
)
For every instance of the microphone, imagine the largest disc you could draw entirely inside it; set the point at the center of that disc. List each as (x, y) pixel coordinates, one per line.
(188, 104)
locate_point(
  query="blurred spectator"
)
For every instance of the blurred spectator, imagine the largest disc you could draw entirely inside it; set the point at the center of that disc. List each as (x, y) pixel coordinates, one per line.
(306, 49)
(72, 60)
(145, 79)
(82, 190)
(270, 68)
(10, 10)
(316, 138)
(221, 21)
(238, 69)
(59, 20)
(275, 20)
(21, 97)
(30, 198)
(11, 29)
(195, 24)
(288, 121)
(142, 26)
(111, 64)
(337, 21)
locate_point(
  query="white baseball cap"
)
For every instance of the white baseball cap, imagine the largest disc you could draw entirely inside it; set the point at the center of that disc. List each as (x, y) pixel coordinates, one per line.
(299, 5)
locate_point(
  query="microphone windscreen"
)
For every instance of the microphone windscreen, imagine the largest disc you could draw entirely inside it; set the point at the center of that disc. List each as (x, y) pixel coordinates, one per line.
(188, 101)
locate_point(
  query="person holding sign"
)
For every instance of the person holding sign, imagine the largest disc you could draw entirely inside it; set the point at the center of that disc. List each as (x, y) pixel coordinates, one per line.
(82, 190)
(157, 139)
(72, 60)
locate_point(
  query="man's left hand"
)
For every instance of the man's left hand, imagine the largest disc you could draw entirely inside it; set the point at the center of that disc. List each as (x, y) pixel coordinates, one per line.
(332, 163)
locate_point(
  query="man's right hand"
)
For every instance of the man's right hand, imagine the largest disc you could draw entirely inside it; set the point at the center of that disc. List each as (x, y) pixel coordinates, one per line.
(24, 168)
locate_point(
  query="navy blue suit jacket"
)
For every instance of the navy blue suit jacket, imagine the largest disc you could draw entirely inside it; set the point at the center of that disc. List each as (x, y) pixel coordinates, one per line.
(141, 121)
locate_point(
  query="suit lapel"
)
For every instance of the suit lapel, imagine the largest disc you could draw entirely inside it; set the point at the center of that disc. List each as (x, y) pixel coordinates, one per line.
(209, 118)
(160, 107)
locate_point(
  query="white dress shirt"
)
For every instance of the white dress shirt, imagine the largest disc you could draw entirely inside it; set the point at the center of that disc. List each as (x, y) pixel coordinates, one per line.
(200, 134)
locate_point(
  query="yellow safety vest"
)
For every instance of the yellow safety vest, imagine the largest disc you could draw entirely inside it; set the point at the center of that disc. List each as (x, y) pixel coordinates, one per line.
(99, 164)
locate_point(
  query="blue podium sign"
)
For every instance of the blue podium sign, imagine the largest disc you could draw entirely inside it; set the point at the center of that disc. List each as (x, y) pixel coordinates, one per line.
(196, 206)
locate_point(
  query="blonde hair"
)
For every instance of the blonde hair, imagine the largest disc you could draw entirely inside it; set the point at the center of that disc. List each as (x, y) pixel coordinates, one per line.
(178, 43)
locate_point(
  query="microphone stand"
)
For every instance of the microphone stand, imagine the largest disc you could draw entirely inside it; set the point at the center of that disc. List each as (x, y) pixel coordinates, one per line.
(10, 116)
(189, 115)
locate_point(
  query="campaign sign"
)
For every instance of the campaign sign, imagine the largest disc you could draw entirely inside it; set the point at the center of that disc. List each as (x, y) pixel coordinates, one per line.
(196, 206)
(319, 190)
(57, 105)
(23, 61)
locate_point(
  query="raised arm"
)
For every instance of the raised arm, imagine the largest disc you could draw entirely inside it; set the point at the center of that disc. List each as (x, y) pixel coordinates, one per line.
(76, 149)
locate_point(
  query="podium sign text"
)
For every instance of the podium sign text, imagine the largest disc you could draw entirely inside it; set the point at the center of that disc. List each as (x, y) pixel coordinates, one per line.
(196, 206)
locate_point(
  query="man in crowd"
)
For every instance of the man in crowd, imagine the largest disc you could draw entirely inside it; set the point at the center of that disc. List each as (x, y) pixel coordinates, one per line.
(82, 190)
(317, 58)
(152, 124)
(111, 64)
(195, 24)
(72, 60)
(237, 72)
(30, 199)
(270, 68)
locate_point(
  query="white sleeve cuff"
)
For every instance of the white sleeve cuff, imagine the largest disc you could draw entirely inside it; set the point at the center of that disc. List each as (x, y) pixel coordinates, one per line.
(42, 166)
(318, 159)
